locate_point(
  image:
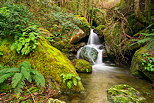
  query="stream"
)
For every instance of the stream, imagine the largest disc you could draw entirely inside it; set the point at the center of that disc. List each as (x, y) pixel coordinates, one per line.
(104, 75)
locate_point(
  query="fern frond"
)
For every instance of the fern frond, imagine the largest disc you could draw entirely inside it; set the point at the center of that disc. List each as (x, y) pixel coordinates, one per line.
(150, 45)
(39, 79)
(25, 73)
(25, 64)
(18, 89)
(142, 41)
(5, 76)
(3, 71)
(16, 79)
(147, 34)
(12, 70)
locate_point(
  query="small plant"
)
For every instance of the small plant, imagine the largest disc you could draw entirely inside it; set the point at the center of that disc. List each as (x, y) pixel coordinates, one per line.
(1, 53)
(20, 75)
(27, 42)
(70, 79)
(148, 63)
(50, 39)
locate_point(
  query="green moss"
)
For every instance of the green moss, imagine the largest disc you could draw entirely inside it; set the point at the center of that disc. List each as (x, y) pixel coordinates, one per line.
(100, 27)
(124, 94)
(137, 68)
(85, 26)
(47, 59)
(82, 66)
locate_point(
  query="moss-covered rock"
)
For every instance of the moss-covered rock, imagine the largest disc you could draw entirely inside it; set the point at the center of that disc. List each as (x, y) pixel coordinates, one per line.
(82, 66)
(85, 26)
(137, 67)
(88, 53)
(124, 94)
(46, 59)
(75, 38)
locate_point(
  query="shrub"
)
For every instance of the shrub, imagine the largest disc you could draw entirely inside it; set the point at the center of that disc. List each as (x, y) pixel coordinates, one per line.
(13, 19)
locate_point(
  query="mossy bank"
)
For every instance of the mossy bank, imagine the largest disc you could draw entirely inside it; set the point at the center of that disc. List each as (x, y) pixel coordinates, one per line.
(45, 58)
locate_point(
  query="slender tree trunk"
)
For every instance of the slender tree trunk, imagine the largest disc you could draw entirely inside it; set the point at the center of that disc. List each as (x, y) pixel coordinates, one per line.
(138, 12)
(148, 9)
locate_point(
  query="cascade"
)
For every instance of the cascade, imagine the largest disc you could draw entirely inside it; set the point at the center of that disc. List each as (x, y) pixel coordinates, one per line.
(93, 43)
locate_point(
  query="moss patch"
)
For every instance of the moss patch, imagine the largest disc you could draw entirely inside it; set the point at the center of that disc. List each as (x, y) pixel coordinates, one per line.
(124, 94)
(47, 59)
(82, 66)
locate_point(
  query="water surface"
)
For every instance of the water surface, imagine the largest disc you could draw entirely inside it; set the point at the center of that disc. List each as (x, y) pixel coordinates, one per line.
(103, 77)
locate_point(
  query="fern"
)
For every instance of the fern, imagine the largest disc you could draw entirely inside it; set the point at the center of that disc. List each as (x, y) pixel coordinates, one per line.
(5, 77)
(39, 80)
(18, 89)
(148, 38)
(16, 79)
(20, 75)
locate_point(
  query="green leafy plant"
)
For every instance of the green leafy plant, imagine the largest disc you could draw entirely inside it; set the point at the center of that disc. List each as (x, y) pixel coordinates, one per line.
(27, 42)
(50, 39)
(13, 19)
(1, 53)
(147, 38)
(20, 75)
(148, 63)
(70, 79)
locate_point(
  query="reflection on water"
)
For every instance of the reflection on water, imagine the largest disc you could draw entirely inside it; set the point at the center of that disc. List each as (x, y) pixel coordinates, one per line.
(103, 77)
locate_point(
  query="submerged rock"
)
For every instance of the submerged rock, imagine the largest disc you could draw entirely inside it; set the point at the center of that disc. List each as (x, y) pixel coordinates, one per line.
(46, 59)
(51, 100)
(140, 63)
(82, 66)
(89, 54)
(124, 94)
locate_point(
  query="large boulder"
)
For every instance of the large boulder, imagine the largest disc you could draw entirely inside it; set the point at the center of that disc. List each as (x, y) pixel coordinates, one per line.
(79, 35)
(88, 53)
(124, 94)
(46, 59)
(82, 66)
(140, 64)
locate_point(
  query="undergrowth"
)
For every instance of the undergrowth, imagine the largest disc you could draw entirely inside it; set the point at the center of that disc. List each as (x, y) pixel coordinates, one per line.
(16, 22)
(19, 76)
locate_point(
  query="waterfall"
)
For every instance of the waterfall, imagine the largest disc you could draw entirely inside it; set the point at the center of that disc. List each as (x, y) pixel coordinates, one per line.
(93, 38)
(93, 42)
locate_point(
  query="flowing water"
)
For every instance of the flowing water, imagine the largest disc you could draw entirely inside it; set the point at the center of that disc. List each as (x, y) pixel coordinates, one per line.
(104, 76)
